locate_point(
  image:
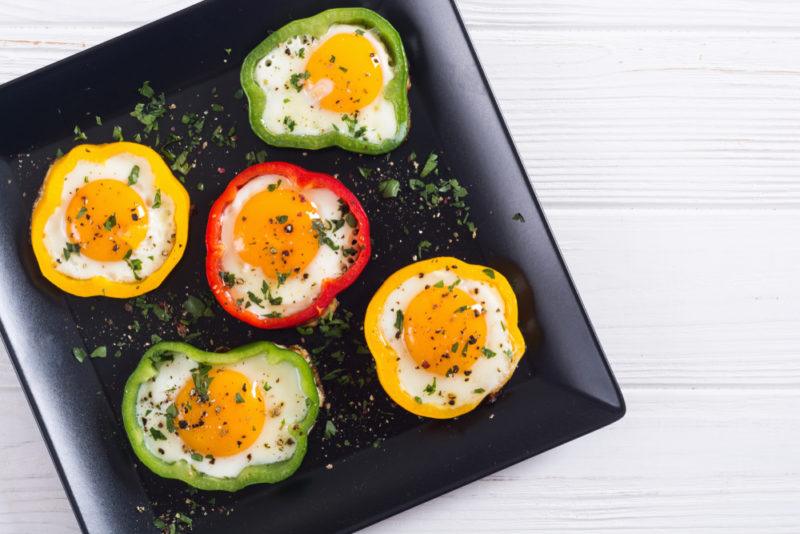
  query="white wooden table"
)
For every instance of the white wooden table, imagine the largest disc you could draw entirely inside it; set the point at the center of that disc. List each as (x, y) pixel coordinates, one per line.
(663, 139)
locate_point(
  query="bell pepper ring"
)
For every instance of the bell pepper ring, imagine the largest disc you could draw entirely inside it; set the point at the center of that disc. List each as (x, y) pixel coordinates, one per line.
(335, 91)
(267, 221)
(110, 220)
(170, 458)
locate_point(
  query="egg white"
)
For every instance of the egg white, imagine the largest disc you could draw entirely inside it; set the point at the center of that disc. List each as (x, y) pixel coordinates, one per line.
(274, 70)
(157, 244)
(285, 402)
(298, 291)
(488, 374)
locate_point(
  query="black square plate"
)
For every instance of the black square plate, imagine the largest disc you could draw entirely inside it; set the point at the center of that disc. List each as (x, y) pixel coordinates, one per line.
(381, 460)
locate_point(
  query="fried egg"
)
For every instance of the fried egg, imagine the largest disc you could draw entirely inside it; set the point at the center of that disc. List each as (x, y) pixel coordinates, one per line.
(335, 82)
(280, 244)
(222, 419)
(444, 335)
(109, 217)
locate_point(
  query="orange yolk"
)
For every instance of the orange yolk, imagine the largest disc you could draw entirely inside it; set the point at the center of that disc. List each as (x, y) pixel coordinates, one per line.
(274, 231)
(351, 63)
(107, 219)
(443, 329)
(225, 421)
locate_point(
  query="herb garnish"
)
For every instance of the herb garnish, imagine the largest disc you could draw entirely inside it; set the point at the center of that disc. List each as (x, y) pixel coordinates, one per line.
(389, 188)
(398, 321)
(330, 429)
(157, 199)
(431, 164)
(489, 273)
(197, 308)
(70, 249)
(239, 399)
(133, 177)
(134, 263)
(157, 434)
(79, 135)
(518, 217)
(422, 247)
(488, 353)
(202, 381)
(229, 279)
(297, 79)
(150, 111)
(111, 222)
(431, 388)
(79, 353)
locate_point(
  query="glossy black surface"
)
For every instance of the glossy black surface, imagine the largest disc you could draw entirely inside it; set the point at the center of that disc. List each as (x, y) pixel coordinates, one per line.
(383, 459)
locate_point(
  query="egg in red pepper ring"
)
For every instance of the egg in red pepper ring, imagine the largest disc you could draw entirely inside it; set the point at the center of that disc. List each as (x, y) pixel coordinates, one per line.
(282, 242)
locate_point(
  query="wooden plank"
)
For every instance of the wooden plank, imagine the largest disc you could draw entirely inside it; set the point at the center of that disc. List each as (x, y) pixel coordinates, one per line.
(676, 462)
(670, 120)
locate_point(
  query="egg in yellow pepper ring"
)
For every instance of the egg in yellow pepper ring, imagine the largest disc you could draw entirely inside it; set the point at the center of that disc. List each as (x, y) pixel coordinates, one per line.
(444, 335)
(110, 220)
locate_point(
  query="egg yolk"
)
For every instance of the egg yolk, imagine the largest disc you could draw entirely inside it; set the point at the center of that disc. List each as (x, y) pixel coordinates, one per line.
(444, 330)
(225, 419)
(347, 68)
(275, 231)
(106, 219)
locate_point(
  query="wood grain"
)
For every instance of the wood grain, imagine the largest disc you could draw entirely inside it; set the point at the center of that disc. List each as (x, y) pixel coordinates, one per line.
(663, 139)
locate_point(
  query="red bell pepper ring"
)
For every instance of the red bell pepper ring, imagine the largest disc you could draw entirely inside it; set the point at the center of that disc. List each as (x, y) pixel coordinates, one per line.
(302, 179)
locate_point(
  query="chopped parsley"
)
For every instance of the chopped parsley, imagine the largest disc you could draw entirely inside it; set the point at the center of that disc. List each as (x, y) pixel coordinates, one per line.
(79, 353)
(430, 389)
(98, 120)
(202, 381)
(267, 292)
(297, 79)
(364, 172)
(217, 108)
(256, 157)
(81, 213)
(133, 177)
(398, 321)
(111, 222)
(322, 237)
(198, 457)
(149, 112)
(389, 188)
(289, 122)
(489, 273)
(157, 434)
(422, 247)
(197, 308)
(70, 249)
(79, 135)
(518, 217)
(229, 279)
(282, 219)
(99, 352)
(116, 135)
(488, 353)
(330, 429)
(239, 399)
(431, 165)
(157, 199)
(479, 390)
(134, 263)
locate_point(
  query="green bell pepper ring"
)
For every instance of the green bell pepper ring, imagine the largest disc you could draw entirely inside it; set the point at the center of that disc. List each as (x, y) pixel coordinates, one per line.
(181, 469)
(347, 138)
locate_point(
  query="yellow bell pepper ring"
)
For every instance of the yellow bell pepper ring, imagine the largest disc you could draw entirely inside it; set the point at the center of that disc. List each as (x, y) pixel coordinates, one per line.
(110, 220)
